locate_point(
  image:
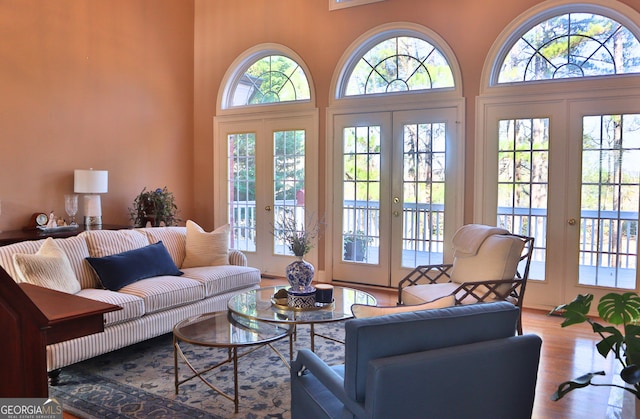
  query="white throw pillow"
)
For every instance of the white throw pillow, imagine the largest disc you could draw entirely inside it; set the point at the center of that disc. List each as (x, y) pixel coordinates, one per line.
(361, 311)
(496, 259)
(206, 248)
(49, 268)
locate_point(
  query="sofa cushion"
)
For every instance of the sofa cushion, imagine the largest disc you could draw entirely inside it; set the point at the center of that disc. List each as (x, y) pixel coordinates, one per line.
(7, 252)
(361, 311)
(163, 292)
(206, 248)
(132, 306)
(109, 242)
(49, 267)
(116, 271)
(173, 238)
(221, 279)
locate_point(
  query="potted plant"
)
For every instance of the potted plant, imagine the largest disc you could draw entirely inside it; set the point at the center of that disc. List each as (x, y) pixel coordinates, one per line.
(623, 342)
(300, 240)
(355, 246)
(156, 207)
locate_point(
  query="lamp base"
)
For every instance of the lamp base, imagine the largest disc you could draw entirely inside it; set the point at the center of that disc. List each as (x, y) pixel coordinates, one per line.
(95, 220)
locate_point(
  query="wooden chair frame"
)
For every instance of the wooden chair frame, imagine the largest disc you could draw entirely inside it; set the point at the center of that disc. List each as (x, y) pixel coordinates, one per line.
(481, 291)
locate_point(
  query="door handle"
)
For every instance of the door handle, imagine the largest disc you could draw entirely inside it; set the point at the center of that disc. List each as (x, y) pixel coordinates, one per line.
(572, 221)
(267, 208)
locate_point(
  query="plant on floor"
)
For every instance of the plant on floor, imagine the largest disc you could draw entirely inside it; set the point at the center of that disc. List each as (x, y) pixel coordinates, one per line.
(156, 207)
(623, 342)
(355, 246)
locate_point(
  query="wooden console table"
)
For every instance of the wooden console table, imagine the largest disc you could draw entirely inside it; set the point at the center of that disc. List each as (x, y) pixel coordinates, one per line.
(15, 236)
(31, 318)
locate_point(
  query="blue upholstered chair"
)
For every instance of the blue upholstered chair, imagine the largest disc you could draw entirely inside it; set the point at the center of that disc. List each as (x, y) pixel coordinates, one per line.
(458, 362)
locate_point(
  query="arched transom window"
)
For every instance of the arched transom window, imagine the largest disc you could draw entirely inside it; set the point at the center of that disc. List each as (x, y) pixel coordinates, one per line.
(271, 79)
(400, 64)
(572, 45)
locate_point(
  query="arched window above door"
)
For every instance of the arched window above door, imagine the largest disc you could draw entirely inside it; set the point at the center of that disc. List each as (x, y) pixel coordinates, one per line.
(265, 75)
(569, 42)
(396, 59)
(399, 64)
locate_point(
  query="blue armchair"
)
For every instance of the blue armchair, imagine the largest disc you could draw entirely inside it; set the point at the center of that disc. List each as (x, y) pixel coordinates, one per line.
(458, 362)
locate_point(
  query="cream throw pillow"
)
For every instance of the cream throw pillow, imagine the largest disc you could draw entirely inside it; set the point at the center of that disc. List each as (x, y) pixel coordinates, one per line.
(496, 259)
(49, 268)
(361, 311)
(206, 248)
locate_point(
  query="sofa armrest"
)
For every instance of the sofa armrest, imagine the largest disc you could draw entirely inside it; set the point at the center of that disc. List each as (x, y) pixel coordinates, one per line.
(308, 362)
(236, 257)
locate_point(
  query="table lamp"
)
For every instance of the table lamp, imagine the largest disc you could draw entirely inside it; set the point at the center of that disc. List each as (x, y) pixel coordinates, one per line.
(91, 182)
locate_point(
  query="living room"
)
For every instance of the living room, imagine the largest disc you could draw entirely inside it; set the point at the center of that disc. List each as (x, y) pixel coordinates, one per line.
(133, 87)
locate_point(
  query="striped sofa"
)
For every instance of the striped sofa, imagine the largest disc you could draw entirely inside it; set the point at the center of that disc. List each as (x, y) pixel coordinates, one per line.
(150, 307)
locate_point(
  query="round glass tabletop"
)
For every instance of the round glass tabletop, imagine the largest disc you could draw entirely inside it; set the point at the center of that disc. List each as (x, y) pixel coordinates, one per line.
(220, 329)
(258, 304)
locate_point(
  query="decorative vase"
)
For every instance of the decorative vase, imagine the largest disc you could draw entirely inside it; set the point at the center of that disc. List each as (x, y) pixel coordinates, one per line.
(300, 274)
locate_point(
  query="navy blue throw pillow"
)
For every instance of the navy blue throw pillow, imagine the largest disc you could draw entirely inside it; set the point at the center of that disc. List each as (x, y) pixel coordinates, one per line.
(116, 271)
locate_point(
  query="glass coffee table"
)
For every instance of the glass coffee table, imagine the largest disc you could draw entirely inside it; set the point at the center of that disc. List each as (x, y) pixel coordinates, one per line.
(258, 304)
(222, 330)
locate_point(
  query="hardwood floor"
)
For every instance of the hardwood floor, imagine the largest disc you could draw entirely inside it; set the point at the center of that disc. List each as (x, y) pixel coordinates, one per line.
(566, 353)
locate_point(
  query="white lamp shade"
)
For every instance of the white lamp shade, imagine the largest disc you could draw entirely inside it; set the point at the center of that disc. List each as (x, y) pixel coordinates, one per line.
(90, 181)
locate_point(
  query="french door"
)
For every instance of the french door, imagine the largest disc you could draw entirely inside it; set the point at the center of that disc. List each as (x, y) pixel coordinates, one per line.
(567, 173)
(267, 171)
(394, 195)
(604, 197)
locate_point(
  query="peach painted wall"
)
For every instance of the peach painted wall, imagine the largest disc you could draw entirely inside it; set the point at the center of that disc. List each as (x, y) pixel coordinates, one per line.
(106, 84)
(224, 29)
(130, 86)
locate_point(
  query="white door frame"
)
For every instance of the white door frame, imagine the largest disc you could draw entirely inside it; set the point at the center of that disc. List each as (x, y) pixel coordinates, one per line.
(264, 126)
(455, 161)
(567, 104)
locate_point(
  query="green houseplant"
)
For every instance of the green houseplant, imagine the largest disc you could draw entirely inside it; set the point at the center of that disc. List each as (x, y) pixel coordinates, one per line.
(157, 207)
(621, 337)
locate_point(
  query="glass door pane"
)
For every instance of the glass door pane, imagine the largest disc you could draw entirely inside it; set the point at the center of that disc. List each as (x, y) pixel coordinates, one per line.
(523, 165)
(288, 183)
(609, 201)
(423, 216)
(361, 194)
(241, 199)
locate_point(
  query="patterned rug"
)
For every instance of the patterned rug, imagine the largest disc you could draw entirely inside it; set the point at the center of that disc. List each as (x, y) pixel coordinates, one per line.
(138, 381)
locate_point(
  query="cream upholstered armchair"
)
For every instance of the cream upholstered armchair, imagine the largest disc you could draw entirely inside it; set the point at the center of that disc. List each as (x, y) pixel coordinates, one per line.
(489, 264)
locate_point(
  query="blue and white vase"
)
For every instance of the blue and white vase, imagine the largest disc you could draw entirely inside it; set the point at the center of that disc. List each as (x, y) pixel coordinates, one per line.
(300, 274)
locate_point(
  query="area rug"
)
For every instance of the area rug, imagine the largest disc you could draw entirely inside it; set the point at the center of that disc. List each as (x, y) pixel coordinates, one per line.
(138, 381)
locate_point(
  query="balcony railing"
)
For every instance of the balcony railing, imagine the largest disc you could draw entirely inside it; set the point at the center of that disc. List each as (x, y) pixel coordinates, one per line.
(608, 239)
